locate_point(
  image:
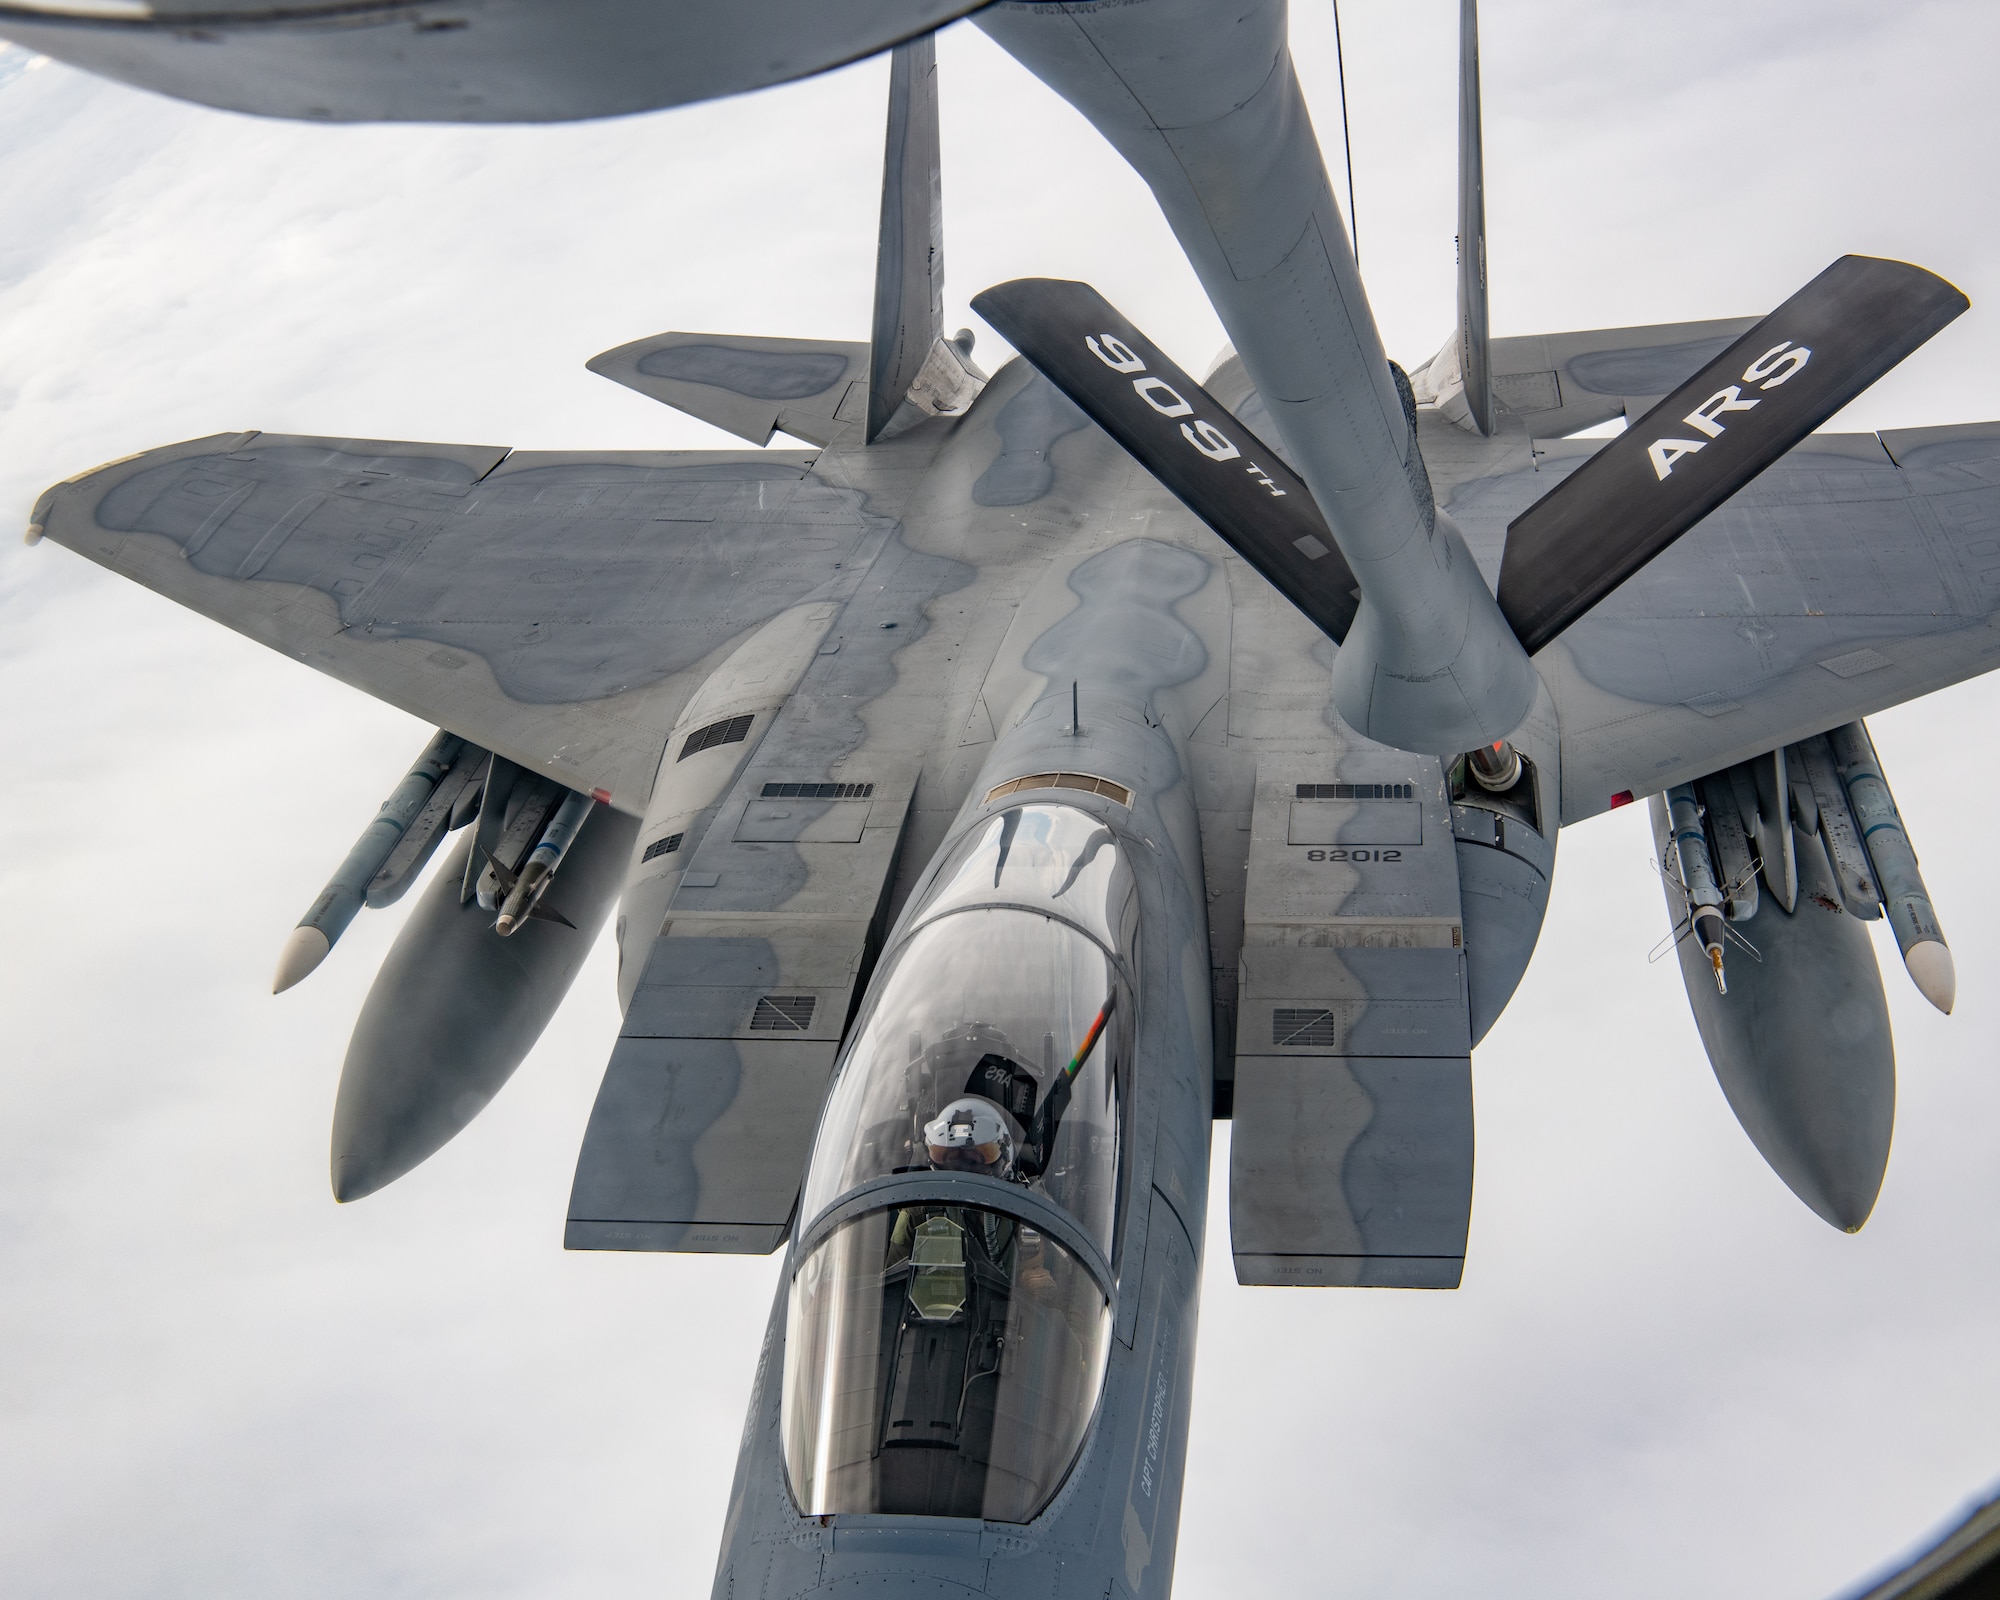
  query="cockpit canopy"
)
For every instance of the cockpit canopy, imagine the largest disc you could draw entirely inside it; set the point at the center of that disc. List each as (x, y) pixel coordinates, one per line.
(940, 1361)
(945, 1350)
(1008, 1007)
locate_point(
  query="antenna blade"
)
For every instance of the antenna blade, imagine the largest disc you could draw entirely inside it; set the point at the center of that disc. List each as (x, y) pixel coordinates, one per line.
(1712, 436)
(1474, 364)
(909, 259)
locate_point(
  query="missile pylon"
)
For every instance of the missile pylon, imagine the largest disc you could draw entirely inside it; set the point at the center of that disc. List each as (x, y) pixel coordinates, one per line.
(327, 919)
(524, 891)
(1704, 897)
(1908, 903)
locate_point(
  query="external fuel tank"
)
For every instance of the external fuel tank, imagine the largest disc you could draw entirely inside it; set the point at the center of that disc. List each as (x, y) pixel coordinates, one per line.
(457, 1007)
(1800, 1043)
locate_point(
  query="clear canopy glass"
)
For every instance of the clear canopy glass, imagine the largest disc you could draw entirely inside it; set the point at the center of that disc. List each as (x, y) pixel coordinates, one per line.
(944, 1359)
(939, 1361)
(998, 1013)
(1054, 858)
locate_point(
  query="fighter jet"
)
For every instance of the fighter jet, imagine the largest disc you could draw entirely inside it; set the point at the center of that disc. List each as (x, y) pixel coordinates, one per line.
(1041, 765)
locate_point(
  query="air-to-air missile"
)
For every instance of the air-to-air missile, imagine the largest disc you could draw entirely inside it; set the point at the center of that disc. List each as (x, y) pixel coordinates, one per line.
(889, 879)
(1697, 877)
(418, 813)
(525, 888)
(1908, 902)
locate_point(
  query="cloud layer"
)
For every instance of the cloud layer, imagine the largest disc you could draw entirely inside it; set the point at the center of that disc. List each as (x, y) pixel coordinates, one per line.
(1662, 1377)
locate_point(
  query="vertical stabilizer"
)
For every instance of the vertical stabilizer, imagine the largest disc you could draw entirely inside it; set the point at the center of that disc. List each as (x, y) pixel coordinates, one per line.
(1473, 363)
(914, 372)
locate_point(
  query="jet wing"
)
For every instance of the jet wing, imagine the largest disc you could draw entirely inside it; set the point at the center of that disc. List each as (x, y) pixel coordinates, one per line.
(1553, 383)
(1859, 571)
(555, 607)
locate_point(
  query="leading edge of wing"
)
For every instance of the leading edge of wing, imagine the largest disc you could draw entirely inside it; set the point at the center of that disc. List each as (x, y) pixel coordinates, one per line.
(548, 605)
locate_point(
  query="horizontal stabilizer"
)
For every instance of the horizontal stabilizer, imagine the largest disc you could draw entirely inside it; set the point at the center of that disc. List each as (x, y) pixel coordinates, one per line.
(1714, 434)
(1180, 433)
(809, 388)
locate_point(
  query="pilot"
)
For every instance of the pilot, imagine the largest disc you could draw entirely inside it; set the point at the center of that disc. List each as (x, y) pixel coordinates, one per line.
(971, 1135)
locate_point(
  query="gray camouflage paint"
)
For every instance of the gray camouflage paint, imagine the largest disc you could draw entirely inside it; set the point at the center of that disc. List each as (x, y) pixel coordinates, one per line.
(969, 572)
(1198, 685)
(1801, 1043)
(1221, 135)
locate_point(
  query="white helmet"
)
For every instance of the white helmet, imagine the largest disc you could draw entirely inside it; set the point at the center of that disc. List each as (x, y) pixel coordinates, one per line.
(970, 1135)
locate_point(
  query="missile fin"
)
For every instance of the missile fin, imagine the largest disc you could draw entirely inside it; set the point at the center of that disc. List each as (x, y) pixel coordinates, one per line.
(507, 876)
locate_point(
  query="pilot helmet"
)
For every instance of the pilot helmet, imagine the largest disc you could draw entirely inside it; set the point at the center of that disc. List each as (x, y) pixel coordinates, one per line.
(970, 1135)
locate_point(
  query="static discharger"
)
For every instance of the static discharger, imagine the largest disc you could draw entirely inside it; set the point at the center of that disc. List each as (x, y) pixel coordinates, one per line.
(321, 927)
(526, 887)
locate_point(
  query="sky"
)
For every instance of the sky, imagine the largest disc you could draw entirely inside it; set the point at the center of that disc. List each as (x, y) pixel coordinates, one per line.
(1663, 1376)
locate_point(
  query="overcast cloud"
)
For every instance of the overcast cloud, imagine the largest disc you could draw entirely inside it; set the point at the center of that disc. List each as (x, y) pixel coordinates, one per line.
(1663, 1376)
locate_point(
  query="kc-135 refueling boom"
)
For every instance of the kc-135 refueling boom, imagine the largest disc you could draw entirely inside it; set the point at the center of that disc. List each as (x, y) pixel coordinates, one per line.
(985, 816)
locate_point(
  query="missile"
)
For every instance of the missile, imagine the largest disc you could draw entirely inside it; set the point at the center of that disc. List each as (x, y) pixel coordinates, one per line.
(450, 806)
(1735, 866)
(1704, 898)
(327, 920)
(525, 888)
(1908, 902)
(492, 820)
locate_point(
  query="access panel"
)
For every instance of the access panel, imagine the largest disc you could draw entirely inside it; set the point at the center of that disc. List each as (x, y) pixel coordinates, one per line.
(1351, 1155)
(699, 1137)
